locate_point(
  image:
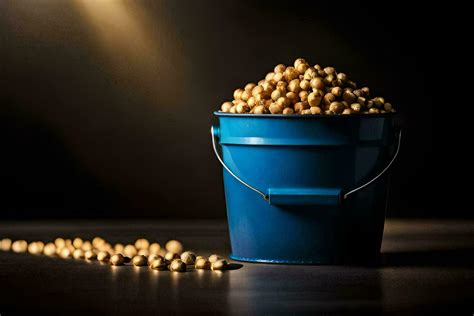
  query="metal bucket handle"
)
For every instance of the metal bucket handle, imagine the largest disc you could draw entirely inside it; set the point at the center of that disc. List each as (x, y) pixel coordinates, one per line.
(322, 196)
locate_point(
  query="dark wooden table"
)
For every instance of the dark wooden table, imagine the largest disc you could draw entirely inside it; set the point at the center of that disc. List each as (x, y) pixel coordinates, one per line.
(428, 267)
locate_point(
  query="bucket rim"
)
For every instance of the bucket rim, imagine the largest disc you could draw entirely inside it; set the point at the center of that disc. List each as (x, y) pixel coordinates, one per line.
(308, 116)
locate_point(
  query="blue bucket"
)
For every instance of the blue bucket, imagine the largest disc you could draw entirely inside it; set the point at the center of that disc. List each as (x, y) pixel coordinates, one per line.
(306, 189)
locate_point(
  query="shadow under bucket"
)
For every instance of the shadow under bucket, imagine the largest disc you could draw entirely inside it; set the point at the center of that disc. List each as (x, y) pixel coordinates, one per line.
(306, 189)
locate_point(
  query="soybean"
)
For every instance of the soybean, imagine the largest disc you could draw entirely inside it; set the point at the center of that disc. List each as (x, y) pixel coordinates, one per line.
(158, 264)
(213, 258)
(188, 257)
(117, 260)
(139, 260)
(220, 264)
(103, 256)
(90, 255)
(6, 244)
(78, 254)
(19, 246)
(202, 263)
(174, 246)
(170, 256)
(177, 265)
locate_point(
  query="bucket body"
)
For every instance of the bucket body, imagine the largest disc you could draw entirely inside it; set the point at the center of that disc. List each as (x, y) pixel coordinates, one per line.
(304, 165)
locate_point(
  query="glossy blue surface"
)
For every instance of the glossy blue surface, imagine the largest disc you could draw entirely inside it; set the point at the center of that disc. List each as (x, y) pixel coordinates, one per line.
(305, 196)
(302, 162)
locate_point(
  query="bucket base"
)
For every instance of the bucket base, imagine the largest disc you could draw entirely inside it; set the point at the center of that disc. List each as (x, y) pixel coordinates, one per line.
(374, 262)
(257, 260)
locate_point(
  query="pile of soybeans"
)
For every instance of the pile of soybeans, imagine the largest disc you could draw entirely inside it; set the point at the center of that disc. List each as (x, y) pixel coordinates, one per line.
(305, 89)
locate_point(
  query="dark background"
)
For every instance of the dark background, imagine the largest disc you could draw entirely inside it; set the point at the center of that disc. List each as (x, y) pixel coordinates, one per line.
(106, 105)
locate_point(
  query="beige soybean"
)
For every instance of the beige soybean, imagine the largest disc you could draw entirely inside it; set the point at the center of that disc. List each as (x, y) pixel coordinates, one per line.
(379, 102)
(329, 98)
(292, 96)
(349, 97)
(315, 110)
(177, 265)
(77, 242)
(329, 70)
(188, 257)
(298, 61)
(305, 85)
(49, 249)
(214, 257)
(119, 248)
(337, 91)
(314, 99)
(170, 256)
(65, 253)
(117, 260)
(36, 247)
(269, 76)
(225, 107)
(103, 256)
(356, 107)
(252, 102)
(336, 107)
(90, 255)
(282, 85)
(154, 248)
(143, 252)
(87, 245)
(219, 265)
(139, 260)
(276, 94)
(256, 90)
(288, 111)
(6, 244)
(60, 242)
(158, 264)
(276, 108)
(294, 86)
(260, 109)
(342, 77)
(153, 257)
(249, 86)
(130, 251)
(328, 80)
(19, 246)
(303, 95)
(301, 106)
(277, 77)
(246, 95)
(280, 68)
(98, 241)
(78, 254)
(365, 90)
(238, 93)
(202, 263)
(290, 74)
(302, 67)
(242, 108)
(174, 246)
(347, 111)
(283, 102)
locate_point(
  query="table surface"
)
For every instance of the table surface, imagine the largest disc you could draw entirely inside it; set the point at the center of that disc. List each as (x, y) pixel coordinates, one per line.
(428, 266)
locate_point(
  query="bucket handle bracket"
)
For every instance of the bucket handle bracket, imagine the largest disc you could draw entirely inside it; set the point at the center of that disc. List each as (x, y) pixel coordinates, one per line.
(215, 134)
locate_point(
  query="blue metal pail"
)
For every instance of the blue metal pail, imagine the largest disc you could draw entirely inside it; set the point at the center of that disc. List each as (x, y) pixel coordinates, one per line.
(306, 189)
